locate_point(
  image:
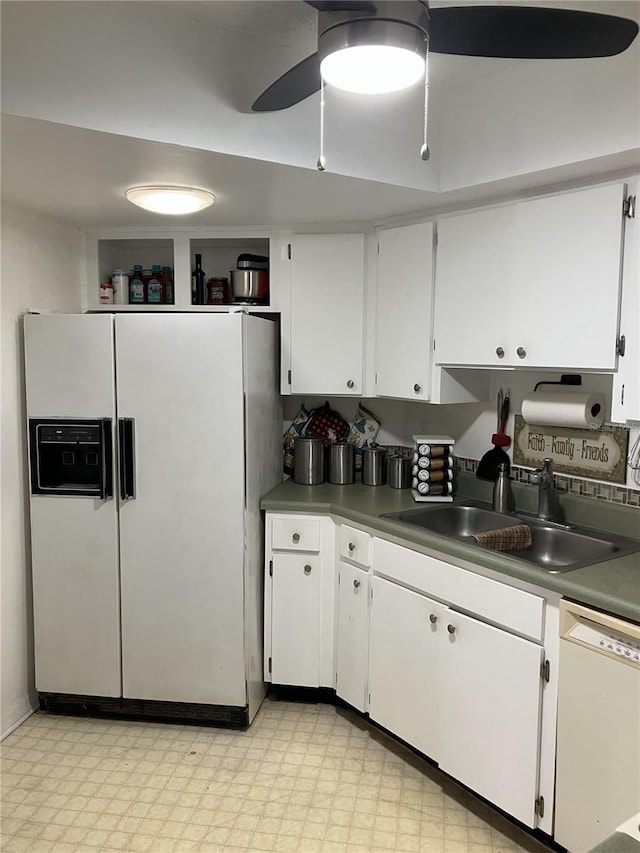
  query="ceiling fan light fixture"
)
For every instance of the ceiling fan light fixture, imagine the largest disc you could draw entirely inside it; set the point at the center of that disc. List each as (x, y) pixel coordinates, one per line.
(170, 200)
(372, 57)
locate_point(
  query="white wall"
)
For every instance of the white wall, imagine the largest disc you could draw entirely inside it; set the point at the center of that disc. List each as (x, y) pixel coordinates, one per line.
(41, 269)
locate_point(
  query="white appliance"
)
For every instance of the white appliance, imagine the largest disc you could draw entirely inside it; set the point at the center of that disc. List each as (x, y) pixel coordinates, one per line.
(147, 573)
(598, 763)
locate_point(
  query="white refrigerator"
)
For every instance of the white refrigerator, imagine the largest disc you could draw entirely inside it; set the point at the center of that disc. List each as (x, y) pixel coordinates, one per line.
(152, 439)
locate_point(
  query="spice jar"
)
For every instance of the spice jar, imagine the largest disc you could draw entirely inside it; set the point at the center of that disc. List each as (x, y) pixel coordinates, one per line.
(218, 291)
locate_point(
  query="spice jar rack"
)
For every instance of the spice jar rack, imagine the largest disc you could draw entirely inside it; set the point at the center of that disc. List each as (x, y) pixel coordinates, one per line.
(432, 473)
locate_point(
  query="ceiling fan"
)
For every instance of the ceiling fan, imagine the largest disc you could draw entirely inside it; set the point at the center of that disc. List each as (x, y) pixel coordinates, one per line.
(411, 29)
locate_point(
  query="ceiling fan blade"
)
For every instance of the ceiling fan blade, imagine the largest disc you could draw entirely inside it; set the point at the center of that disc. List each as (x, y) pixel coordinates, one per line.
(343, 6)
(526, 32)
(294, 86)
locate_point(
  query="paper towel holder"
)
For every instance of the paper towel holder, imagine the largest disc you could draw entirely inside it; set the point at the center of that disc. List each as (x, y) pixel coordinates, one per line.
(565, 379)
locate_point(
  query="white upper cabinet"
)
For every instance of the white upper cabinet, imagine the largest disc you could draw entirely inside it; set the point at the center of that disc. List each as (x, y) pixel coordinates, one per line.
(625, 404)
(403, 339)
(327, 309)
(532, 284)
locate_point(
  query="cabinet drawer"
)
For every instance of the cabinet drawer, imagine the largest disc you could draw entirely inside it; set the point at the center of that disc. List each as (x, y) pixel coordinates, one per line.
(295, 533)
(496, 602)
(355, 545)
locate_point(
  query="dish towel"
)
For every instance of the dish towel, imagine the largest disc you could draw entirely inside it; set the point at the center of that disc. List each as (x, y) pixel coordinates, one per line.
(505, 538)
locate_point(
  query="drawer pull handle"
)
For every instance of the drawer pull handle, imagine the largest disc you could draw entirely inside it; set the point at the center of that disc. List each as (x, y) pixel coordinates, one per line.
(433, 618)
(356, 584)
(451, 629)
(350, 383)
(500, 352)
(352, 546)
(417, 388)
(307, 569)
(295, 538)
(521, 351)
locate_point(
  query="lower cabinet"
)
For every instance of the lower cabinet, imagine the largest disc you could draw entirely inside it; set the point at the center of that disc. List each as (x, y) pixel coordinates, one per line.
(295, 619)
(352, 650)
(404, 665)
(383, 624)
(464, 693)
(490, 692)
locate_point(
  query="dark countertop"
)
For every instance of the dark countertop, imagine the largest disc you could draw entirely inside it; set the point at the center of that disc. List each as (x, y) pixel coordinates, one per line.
(619, 842)
(613, 586)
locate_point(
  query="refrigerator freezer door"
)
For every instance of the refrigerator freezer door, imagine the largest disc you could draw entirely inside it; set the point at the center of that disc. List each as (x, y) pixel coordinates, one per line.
(69, 374)
(180, 376)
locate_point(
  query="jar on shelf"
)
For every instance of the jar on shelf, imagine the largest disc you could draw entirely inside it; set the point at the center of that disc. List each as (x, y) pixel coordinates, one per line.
(137, 289)
(105, 294)
(120, 282)
(155, 289)
(218, 291)
(167, 279)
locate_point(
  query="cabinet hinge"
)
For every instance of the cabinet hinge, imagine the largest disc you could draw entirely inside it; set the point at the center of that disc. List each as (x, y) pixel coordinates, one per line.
(289, 250)
(289, 377)
(270, 568)
(376, 378)
(621, 345)
(269, 665)
(545, 670)
(629, 207)
(539, 806)
(622, 396)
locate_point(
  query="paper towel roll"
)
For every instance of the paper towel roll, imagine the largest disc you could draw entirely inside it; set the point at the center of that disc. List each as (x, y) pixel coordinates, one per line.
(564, 409)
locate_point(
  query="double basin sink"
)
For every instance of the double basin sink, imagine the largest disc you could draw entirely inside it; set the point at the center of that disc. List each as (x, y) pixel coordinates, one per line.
(555, 547)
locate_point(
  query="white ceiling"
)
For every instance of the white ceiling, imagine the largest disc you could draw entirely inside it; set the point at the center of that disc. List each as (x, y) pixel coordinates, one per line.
(100, 94)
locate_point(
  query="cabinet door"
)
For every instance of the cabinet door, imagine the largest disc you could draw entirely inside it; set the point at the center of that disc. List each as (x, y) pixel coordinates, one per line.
(474, 277)
(404, 679)
(625, 405)
(403, 312)
(565, 299)
(352, 657)
(295, 620)
(491, 693)
(327, 299)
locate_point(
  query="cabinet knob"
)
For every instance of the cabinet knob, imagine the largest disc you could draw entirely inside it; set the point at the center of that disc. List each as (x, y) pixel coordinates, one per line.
(307, 569)
(352, 546)
(417, 388)
(433, 618)
(451, 629)
(521, 352)
(295, 538)
(350, 383)
(356, 584)
(500, 352)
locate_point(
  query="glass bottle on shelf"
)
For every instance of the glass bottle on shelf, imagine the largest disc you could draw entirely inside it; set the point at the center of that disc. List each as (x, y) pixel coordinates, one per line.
(198, 281)
(155, 290)
(167, 279)
(137, 290)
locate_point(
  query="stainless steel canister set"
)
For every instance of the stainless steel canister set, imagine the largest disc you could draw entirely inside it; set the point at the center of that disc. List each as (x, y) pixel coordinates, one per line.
(311, 466)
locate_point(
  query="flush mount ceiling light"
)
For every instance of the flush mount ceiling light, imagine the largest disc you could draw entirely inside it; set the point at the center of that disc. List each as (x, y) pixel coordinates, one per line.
(170, 199)
(372, 57)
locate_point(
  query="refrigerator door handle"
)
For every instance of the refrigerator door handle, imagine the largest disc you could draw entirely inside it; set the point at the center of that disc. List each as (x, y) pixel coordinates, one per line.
(126, 436)
(106, 477)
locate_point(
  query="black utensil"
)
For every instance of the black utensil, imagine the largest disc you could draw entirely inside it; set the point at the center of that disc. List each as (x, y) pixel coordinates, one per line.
(489, 465)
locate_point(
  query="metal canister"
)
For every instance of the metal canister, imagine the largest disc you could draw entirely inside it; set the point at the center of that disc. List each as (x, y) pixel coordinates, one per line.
(373, 465)
(341, 463)
(399, 470)
(308, 460)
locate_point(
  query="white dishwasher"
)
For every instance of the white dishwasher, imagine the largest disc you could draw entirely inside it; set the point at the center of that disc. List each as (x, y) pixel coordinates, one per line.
(598, 759)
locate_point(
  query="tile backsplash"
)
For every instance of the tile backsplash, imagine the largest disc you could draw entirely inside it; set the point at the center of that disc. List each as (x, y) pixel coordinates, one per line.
(612, 492)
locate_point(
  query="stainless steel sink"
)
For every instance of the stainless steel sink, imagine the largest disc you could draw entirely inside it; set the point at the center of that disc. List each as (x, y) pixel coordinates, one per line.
(554, 548)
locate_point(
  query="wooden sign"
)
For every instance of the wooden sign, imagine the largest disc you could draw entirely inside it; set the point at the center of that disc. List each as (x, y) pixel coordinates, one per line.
(597, 453)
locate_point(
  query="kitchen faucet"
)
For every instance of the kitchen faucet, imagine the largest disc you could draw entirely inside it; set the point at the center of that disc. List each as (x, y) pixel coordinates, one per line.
(543, 478)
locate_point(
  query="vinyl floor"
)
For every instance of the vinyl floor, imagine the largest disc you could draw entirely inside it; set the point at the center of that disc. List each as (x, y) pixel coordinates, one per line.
(303, 777)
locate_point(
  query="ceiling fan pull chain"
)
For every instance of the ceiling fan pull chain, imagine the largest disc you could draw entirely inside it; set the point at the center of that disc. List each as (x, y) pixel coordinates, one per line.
(321, 165)
(424, 151)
